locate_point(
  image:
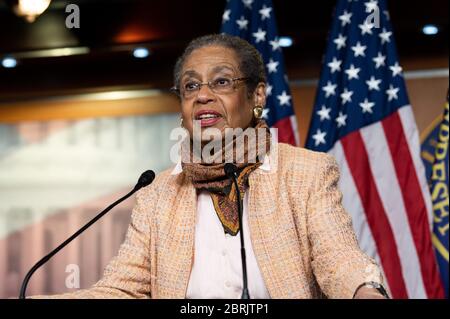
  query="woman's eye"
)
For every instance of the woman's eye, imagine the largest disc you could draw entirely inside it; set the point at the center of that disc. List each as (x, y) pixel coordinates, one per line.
(190, 86)
(222, 82)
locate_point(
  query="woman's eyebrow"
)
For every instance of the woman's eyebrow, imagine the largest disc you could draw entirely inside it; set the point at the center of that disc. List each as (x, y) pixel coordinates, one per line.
(220, 68)
(216, 69)
(190, 73)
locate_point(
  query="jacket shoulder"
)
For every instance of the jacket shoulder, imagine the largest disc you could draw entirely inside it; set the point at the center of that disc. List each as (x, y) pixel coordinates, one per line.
(298, 159)
(163, 180)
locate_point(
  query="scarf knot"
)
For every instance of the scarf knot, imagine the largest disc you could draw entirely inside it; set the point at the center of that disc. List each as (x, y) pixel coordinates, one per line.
(211, 177)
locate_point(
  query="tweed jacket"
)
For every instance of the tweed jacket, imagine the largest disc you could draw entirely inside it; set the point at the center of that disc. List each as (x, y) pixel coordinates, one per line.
(302, 237)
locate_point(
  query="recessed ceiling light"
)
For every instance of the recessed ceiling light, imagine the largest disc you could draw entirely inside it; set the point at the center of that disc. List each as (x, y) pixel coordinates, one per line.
(30, 9)
(430, 29)
(285, 42)
(141, 53)
(9, 62)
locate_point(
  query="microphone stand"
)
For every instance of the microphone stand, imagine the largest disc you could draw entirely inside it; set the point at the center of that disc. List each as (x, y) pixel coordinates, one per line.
(145, 179)
(230, 171)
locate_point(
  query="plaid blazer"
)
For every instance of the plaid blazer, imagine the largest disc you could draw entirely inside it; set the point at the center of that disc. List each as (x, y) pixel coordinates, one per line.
(301, 235)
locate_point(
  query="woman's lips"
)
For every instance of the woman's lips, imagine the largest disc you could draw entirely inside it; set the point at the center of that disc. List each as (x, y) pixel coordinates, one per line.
(208, 117)
(210, 121)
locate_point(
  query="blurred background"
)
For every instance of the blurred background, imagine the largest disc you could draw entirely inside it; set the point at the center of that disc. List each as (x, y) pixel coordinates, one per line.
(84, 111)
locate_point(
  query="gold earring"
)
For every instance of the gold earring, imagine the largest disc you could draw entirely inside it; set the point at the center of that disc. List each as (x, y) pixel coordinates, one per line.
(258, 111)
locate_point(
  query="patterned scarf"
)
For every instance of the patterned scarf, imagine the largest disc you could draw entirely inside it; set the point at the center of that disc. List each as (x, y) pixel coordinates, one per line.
(211, 177)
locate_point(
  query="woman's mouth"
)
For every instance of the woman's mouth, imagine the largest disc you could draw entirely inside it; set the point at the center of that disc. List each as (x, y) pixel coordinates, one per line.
(208, 118)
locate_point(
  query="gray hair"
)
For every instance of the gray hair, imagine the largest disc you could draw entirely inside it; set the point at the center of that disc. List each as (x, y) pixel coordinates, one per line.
(250, 60)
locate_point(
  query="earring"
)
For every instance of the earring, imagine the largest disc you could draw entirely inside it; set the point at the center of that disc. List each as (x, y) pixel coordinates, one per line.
(258, 111)
(181, 122)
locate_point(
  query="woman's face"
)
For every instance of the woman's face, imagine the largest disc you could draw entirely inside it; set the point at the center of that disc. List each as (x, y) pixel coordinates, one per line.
(233, 108)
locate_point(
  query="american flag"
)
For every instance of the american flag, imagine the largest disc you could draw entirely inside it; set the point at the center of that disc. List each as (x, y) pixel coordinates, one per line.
(362, 116)
(254, 21)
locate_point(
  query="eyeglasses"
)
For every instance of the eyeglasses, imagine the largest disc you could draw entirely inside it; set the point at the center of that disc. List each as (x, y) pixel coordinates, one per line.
(221, 85)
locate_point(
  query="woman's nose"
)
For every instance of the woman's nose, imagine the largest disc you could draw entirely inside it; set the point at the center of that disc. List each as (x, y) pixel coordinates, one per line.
(205, 94)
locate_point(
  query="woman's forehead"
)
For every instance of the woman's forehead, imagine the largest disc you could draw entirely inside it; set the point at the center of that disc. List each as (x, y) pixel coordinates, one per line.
(211, 59)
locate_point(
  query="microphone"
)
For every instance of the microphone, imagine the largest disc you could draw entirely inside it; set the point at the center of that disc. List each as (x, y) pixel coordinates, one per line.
(230, 170)
(145, 179)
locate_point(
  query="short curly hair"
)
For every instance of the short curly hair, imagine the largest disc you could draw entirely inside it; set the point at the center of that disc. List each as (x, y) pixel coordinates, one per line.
(250, 60)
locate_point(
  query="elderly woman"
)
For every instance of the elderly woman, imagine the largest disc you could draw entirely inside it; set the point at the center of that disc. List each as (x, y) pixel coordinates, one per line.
(183, 241)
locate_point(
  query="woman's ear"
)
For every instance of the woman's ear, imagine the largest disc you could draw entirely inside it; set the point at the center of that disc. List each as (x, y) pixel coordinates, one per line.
(259, 96)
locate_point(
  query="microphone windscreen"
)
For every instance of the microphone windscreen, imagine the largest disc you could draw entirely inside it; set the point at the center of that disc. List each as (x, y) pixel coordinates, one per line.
(146, 178)
(230, 169)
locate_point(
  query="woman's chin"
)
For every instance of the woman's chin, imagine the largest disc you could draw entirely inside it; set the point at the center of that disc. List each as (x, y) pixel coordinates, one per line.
(210, 133)
(215, 130)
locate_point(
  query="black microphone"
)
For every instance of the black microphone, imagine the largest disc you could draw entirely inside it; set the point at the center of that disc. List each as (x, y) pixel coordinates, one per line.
(230, 170)
(145, 179)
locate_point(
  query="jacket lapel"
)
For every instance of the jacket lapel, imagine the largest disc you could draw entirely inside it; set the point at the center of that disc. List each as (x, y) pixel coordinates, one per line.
(177, 252)
(262, 211)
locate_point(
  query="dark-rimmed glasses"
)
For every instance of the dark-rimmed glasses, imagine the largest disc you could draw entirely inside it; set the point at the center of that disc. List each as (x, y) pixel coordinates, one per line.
(221, 85)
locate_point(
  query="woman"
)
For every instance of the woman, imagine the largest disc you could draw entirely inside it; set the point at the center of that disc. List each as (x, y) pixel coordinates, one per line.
(183, 241)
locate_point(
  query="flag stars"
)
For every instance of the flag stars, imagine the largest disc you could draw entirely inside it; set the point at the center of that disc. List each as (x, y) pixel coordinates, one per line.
(265, 12)
(392, 93)
(269, 89)
(340, 41)
(275, 44)
(371, 6)
(396, 69)
(330, 89)
(284, 98)
(319, 137)
(373, 84)
(248, 3)
(366, 28)
(324, 113)
(345, 18)
(380, 60)
(335, 65)
(359, 49)
(341, 120)
(226, 16)
(385, 36)
(265, 38)
(346, 96)
(260, 35)
(272, 66)
(367, 106)
(360, 74)
(242, 23)
(352, 72)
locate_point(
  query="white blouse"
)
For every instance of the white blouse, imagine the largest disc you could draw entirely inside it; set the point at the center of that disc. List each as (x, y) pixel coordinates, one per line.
(217, 268)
